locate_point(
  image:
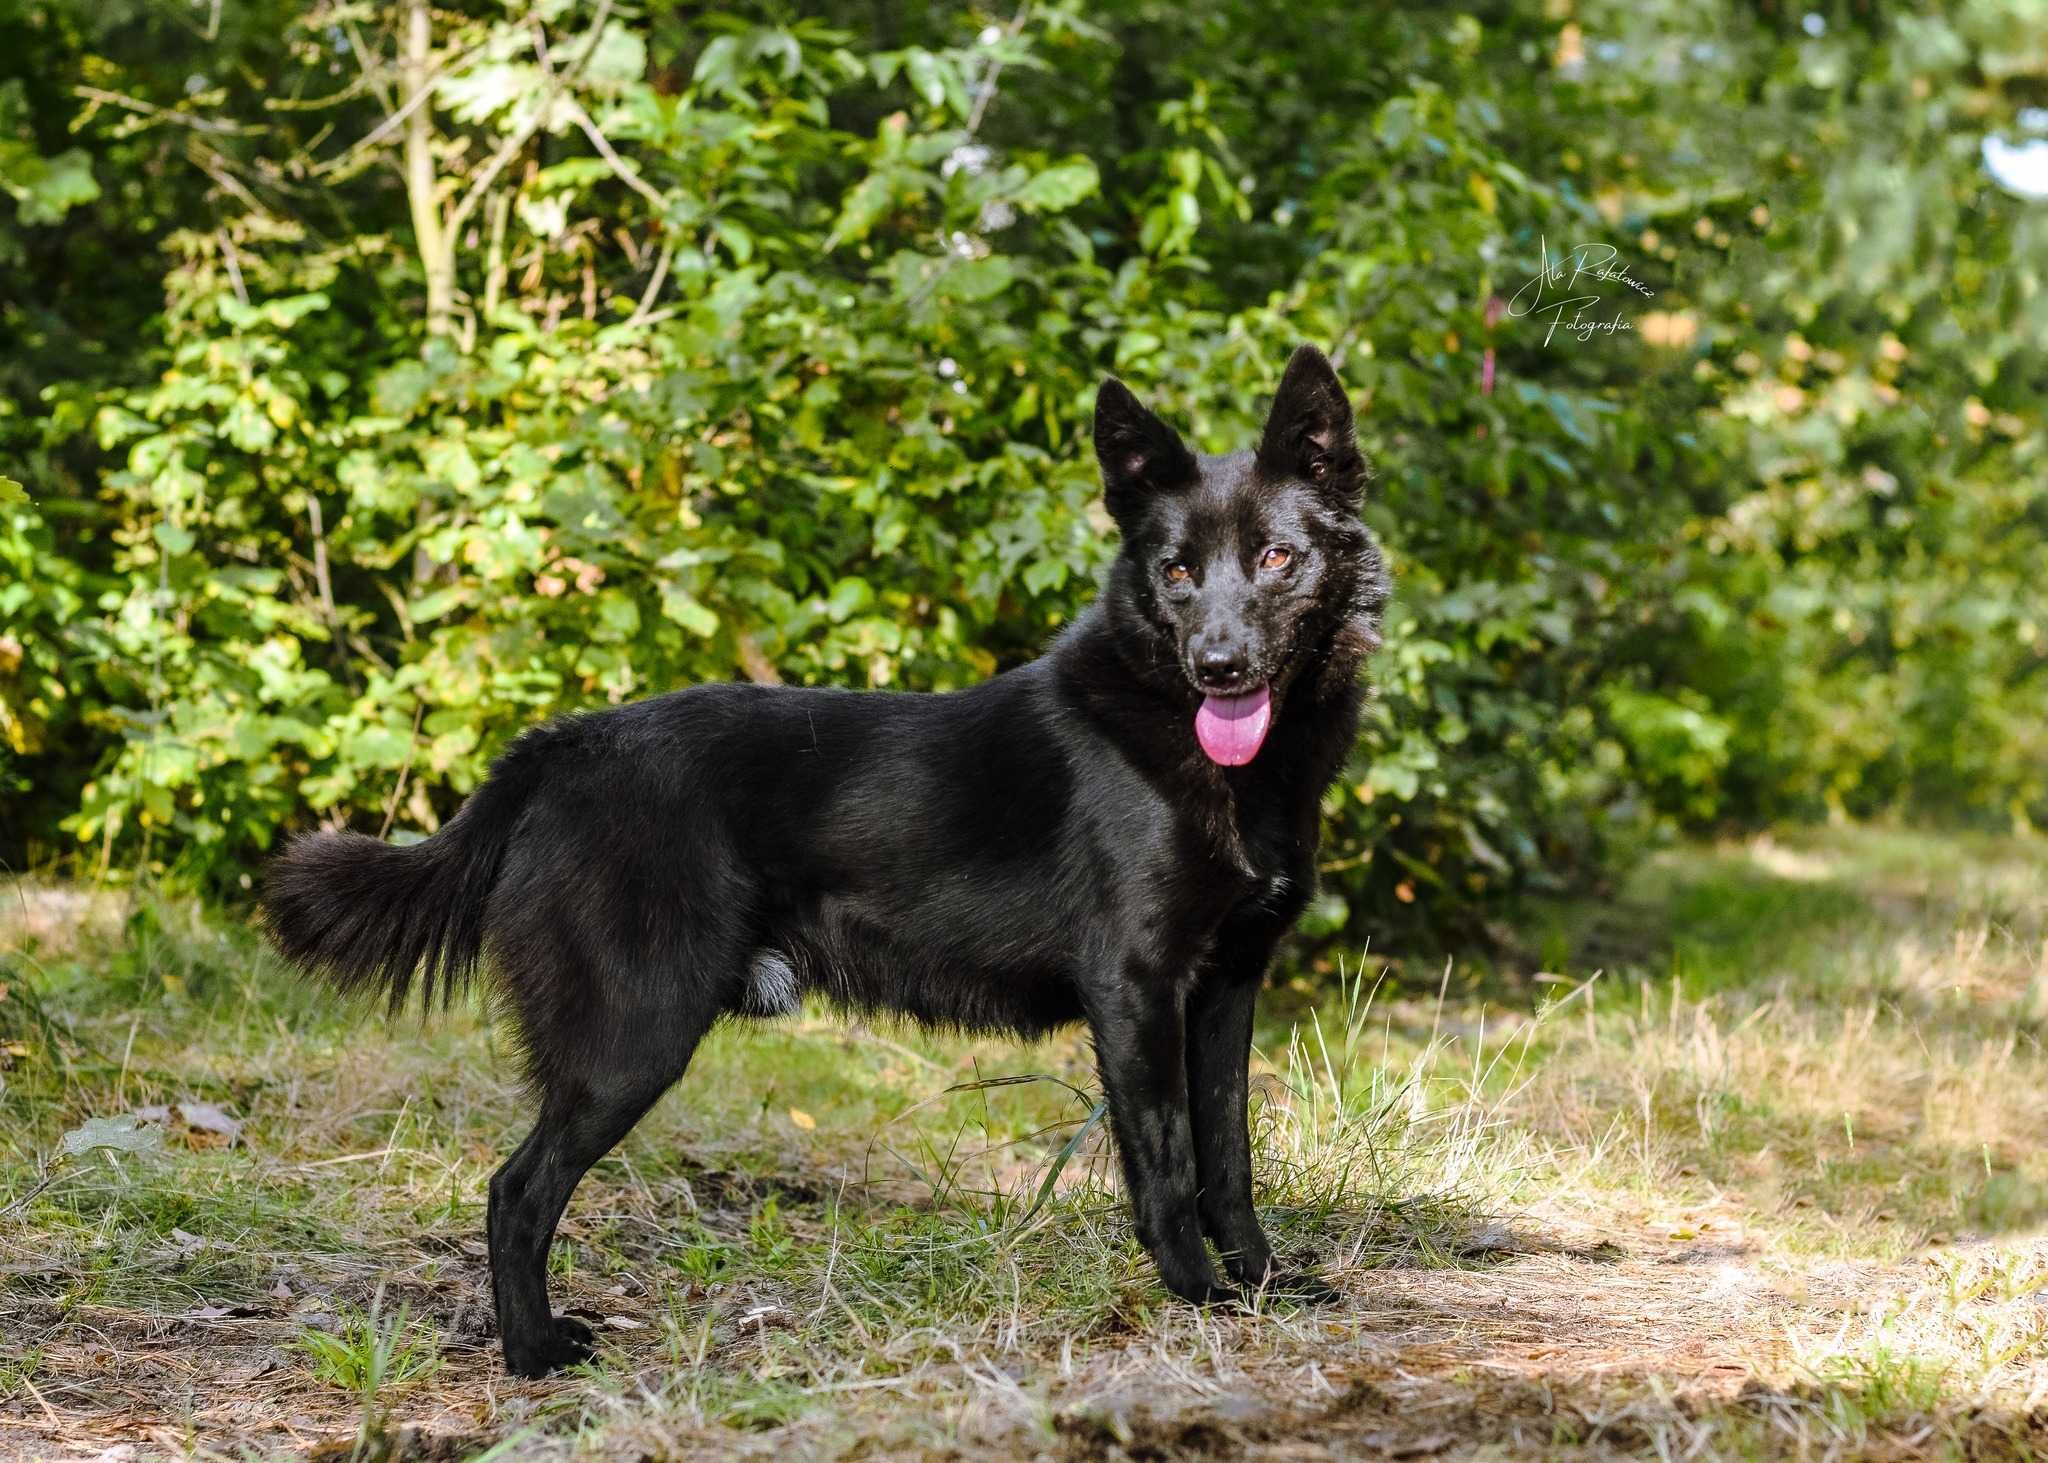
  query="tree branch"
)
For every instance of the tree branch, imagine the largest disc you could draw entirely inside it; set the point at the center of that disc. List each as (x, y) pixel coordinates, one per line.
(617, 164)
(397, 118)
(986, 92)
(163, 114)
(640, 312)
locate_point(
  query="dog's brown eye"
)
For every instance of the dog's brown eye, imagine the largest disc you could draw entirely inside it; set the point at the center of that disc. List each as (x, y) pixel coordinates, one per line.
(1318, 470)
(1276, 558)
(1175, 572)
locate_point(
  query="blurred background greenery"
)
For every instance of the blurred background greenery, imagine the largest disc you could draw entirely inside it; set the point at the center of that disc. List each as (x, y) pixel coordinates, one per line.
(380, 377)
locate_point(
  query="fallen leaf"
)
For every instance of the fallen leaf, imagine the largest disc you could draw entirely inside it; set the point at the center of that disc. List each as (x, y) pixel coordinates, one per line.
(1492, 1238)
(119, 1134)
(204, 1117)
(1391, 1445)
(802, 1119)
(205, 1124)
(624, 1323)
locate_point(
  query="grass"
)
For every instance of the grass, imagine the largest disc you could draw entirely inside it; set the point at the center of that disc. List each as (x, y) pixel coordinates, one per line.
(1754, 1168)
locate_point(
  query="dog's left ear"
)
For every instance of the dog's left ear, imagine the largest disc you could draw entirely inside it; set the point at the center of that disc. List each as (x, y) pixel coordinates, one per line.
(1309, 430)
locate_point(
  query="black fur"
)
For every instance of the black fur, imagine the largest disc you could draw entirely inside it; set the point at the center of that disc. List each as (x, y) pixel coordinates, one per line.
(1048, 847)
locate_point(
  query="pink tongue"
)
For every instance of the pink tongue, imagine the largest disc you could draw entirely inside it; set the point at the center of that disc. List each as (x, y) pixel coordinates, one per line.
(1231, 728)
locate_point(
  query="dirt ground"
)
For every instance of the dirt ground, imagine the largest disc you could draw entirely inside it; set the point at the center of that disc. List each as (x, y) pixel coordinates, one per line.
(1570, 1344)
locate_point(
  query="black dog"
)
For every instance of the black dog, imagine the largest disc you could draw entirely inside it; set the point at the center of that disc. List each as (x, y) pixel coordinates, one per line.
(1118, 832)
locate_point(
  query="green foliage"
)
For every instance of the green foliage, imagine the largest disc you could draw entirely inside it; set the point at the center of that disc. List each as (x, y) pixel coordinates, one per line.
(44, 188)
(633, 352)
(368, 1356)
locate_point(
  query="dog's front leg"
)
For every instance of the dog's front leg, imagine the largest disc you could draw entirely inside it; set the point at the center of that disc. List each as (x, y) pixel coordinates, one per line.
(1219, 1022)
(1219, 1025)
(1140, 1044)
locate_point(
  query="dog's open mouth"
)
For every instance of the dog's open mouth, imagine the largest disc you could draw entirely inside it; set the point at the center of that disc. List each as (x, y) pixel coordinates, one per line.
(1232, 728)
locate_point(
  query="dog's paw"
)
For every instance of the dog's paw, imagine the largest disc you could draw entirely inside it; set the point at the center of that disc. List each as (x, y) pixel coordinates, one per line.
(565, 1342)
(1300, 1287)
(1206, 1292)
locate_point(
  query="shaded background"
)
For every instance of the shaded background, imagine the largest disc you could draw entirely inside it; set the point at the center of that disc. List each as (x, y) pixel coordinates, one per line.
(381, 378)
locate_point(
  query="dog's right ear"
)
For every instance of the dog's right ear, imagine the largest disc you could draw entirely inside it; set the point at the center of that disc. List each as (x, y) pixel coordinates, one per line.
(1139, 454)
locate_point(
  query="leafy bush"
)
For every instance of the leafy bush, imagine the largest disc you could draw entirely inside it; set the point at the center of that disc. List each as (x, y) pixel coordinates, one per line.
(483, 363)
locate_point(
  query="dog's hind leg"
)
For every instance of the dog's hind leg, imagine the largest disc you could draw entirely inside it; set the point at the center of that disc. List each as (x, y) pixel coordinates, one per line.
(581, 1118)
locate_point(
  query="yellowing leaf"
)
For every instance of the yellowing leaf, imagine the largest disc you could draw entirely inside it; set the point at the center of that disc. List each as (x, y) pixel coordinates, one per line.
(802, 1119)
(1483, 190)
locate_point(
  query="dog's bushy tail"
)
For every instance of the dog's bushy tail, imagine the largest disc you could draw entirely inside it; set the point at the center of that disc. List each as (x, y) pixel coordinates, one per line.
(369, 916)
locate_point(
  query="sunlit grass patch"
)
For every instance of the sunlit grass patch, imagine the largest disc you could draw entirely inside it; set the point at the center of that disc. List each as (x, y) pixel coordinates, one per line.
(368, 1354)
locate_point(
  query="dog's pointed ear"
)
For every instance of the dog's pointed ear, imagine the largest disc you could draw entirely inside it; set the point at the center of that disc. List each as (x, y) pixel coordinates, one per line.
(1139, 454)
(1309, 433)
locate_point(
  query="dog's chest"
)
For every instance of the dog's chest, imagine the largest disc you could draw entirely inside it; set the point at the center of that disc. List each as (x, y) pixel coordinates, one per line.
(1254, 851)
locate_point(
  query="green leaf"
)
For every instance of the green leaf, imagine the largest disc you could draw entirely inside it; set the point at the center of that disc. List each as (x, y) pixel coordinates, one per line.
(172, 538)
(478, 94)
(1043, 574)
(978, 279)
(1059, 187)
(718, 67)
(618, 59)
(850, 596)
(452, 463)
(864, 206)
(733, 234)
(687, 612)
(47, 188)
(923, 70)
(381, 746)
(440, 602)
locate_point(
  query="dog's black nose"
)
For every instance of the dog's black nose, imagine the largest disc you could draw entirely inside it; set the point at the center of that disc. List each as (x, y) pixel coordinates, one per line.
(1219, 668)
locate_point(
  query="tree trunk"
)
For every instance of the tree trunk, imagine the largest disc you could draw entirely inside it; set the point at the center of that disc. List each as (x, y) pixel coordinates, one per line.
(436, 243)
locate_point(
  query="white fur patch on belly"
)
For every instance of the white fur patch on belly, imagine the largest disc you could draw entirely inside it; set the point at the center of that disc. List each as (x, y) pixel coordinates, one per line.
(771, 985)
